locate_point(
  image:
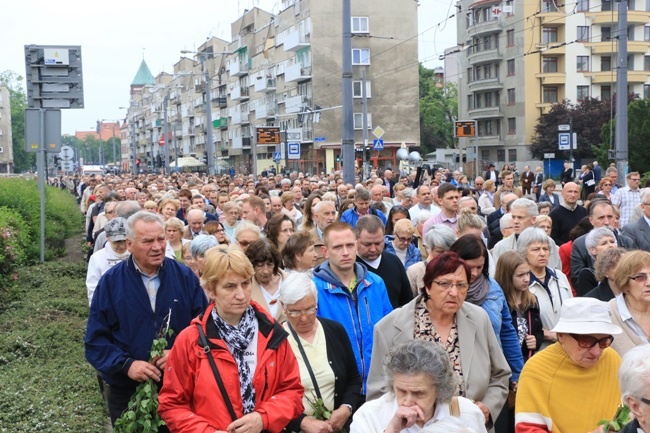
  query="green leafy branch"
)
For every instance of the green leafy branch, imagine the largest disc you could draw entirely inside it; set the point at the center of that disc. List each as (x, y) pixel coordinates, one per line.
(141, 415)
(321, 412)
(621, 417)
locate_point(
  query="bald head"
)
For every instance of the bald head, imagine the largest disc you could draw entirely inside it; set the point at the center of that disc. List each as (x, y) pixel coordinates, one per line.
(570, 193)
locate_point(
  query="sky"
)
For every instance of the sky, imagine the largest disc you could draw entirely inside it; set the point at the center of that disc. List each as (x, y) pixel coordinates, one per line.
(114, 36)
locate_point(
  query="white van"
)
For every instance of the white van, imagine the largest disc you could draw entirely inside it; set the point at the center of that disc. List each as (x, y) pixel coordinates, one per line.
(92, 170)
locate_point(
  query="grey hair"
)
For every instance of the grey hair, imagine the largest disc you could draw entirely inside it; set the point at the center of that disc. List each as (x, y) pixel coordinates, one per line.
(244, 226)
(362, 194)
(505, 221)
(295, 287)
(142, 215)
(422, 357)
(634, 372)
(450, 424)
(321, 204)
(127, 208)
(408, 192)
(422, 217)
(439, 236)
(527, 204)
(201, 244)
(594, 237)
(607, 261)
(285, 181)
(531, 235)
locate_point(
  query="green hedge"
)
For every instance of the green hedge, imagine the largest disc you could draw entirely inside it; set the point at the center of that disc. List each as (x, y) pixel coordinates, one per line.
(14, 241)
(62, 216)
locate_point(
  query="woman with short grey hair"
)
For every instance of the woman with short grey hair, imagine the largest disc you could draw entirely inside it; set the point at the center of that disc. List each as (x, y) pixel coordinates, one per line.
(198, 248)
(420, 389)
(328, 369)
(438, 239)
(597, 241)
(634, 380)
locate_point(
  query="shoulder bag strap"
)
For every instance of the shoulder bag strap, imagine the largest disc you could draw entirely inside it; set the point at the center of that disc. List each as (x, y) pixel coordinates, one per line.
(203, 342)
(304, 358)
(530, 332)
(454, 407)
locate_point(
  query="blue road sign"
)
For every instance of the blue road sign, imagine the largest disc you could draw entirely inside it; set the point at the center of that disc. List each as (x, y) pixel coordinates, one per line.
(294, 150)
(277, 156)
(378, 144)
(564, 141)
(319, 139)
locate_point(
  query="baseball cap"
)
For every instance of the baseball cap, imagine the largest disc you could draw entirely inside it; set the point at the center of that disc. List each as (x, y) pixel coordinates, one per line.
(116, 229)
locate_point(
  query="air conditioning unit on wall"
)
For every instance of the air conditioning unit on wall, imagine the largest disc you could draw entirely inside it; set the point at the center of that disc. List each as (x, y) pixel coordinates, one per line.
(2, 149)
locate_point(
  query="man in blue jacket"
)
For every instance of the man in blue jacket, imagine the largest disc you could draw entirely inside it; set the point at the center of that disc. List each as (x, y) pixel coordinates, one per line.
(349, 294)
(133, 302)
(361, 208)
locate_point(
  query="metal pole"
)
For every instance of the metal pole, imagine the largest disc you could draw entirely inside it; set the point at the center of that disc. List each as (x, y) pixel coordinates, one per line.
(167, 139)
(176, 149)
(40, 162)
(254, 146)
(347, 141)
(151, 141)
(621, 95)
(114, 151)
(571, 142)
(208, 113)
(134, 148)
(364, 102)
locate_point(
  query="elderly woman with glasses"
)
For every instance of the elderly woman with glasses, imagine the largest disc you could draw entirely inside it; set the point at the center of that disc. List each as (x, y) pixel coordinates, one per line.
(634, 379)
(605, 188)
(401, 244)
(631, 309)
(230, 219)
(237, 341)
(327, 365)
(245, 234)
(420, 388)
(597, 242)
(441, 315)
(437, 240)
(198, 248)
(268, 278)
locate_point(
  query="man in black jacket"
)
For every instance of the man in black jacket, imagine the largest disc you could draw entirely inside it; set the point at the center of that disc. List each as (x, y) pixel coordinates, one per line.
(370, 252)
(494, 219)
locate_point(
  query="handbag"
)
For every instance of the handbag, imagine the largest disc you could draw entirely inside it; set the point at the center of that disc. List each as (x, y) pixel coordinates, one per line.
(307, 364)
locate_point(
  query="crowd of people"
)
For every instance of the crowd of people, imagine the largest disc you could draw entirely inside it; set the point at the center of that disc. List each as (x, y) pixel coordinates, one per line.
(392, 306)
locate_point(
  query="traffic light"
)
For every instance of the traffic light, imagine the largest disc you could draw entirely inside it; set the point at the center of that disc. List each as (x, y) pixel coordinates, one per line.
(338, 158)
(366, 155)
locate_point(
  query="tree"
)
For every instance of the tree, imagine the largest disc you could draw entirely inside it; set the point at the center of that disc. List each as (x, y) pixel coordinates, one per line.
(18, 100)
(438, 111)
(638, 136)
(587, 118)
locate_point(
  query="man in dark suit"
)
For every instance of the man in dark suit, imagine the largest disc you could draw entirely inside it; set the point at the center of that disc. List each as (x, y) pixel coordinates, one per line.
(567, 173)
(538, 182)
(389, 182)
(527, 178)
(640, 230)
(492, 174)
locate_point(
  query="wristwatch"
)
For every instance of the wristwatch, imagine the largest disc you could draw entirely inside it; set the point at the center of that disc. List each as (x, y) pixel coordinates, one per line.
(349, 406)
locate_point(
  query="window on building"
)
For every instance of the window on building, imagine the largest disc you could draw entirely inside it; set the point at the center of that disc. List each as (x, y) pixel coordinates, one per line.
(360, 56)
(501, 155)
(646, 91)
(605, 63)
(646, 33)
(470, 75)
(509, 8)
(470, 102)
(358, 121)
(605, 34)
(512, 125)
(478, 100)
(646, 63)
(487, 43)
(583, 33)
(630, 63)
(605, 93)
(582, 93)
(547, 6)
(360, 25)
(549, 95)
(489, 100)
(511, 96)
(606, 5)
(511, 67)
(549, 64)
(549, 35)
(582, 5)
(510, 37)
(512, 155)
(485, 154)
(357, 89)
(582, 63)
(478, 73)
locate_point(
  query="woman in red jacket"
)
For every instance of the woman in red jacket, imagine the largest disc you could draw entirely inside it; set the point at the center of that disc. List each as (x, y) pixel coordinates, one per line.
(233, 368)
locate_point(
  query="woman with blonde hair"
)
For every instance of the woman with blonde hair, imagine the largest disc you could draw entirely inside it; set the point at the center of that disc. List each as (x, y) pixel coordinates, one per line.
(486, 200)
(230, 219)
(290, 209)
(168, 208)
(174, 236)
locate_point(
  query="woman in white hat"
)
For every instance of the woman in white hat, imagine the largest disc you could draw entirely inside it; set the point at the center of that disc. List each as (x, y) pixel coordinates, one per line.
(576, 375)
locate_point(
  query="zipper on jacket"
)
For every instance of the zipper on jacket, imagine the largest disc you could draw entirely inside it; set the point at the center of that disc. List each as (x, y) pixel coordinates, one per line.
(358, 332)
(367, 310)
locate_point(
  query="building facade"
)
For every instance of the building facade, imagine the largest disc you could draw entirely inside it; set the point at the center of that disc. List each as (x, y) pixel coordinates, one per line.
(516, 59)
(284, 70)
(6, 145)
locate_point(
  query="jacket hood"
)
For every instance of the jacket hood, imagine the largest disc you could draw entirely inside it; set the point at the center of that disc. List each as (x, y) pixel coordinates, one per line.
(324, 272)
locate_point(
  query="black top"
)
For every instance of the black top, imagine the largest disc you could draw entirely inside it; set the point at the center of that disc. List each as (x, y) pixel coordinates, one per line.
(392, 271)
(534, 322)
(564, 220)
(567, 175)
(602, 291)
(347, 382)
(586, 281)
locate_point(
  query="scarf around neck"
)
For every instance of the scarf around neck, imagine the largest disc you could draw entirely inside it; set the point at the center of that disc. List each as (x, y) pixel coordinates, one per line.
(478, 290)
(238, 338)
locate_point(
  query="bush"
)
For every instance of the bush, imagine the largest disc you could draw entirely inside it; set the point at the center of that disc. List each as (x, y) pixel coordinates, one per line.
(62, 216)
(14, 240)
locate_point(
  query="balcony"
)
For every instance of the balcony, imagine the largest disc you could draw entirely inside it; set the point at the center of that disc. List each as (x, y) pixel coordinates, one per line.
(297, 72)
(607, 17)
(485, 113)
(486, 56)
(264, 111)
(236, 118)
(294, 41)
(606, 77)
(239, 93)
(551, 77)
(296, 103)
(241, 142)
(222, 101)
(221, 123)
(487, 141)
(606, 47)
(486, 84)
(552, 48)
(239, 67)
(485, 27)
(307, 135)
(265, 84)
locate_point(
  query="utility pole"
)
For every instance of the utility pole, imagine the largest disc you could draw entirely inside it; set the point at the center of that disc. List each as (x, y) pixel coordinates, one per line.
(208, 113)
(364, 101)
(167, 139)
(621, 95)
(347, 141)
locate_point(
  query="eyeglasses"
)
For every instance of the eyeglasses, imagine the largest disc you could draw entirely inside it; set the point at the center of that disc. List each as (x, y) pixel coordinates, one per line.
(403, 239)
(636, 179)
(644, 400)
(448, 285)
(244, 244)
(607, 184)
(295, 314)
(219, 231)
(641, 278)
(261, 265)
(587, 341)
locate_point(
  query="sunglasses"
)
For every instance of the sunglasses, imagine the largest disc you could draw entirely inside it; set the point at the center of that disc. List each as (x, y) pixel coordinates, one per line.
(641, 278)
(587, 341)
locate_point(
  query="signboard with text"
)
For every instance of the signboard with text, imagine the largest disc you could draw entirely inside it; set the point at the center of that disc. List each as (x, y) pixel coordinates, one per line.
(268, 135)
(465, 128)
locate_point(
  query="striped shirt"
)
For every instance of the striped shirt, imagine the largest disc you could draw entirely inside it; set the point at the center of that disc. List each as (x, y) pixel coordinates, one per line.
(626, 200)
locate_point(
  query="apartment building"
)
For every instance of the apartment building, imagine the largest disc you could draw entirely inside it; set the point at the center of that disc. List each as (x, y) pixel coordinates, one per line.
(516, 59)
(6, 145)
(284, 70)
